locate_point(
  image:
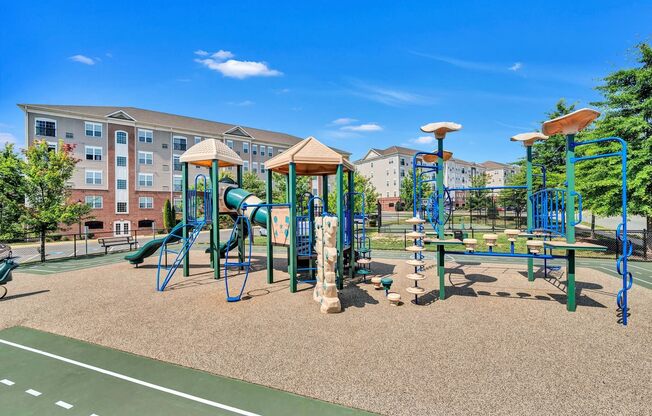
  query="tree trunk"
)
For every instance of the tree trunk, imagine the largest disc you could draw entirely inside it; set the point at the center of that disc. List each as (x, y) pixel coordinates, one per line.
(648, 231)
(592, 225)
(42, 237)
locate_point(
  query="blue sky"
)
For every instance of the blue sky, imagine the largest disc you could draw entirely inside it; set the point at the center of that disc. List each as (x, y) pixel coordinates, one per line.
(353, 74)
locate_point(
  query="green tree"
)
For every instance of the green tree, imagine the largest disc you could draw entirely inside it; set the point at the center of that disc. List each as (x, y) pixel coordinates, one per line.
(252, 183)
(515, 199)
(169, 220)
(361, 184)
(279, 189)
(627, 113)
(479, 200)
(12, 192)
(407, 190)
(47, 177)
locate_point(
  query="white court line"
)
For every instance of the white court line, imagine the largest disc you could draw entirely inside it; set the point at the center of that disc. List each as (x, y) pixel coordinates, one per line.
(618, 276)
(129, 379)
(65, 405)
(7, 382)
(33, 392)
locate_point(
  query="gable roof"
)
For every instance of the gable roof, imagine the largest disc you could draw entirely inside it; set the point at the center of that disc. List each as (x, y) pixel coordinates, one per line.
(311, 157)
(489, 164)
(172, 121)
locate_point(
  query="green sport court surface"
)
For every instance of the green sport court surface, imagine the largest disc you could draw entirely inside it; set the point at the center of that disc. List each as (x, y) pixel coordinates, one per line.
(46, 374)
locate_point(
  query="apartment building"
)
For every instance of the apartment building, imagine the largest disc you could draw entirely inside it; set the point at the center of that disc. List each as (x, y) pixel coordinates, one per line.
(386, 168)
(129, 157)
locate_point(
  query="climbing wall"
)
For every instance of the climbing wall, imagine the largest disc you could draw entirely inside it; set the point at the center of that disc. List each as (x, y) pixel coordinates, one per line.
(326, 288)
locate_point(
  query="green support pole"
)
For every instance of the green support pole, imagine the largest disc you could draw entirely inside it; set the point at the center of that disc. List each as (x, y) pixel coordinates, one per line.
(184, 214)
(241, 242)
(530, 219)
(339, 182)
(215, 196)
(292, 188)
(324, 192)
(441, 267)
(211, 243)
(351, 185)
(570, 271)
(270, 247)
(570, 217)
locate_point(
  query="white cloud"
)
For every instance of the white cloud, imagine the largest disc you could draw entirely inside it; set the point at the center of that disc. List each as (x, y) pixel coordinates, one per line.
(233, 68)
(222, 55)
(7, 138)
(343, 121)
(388, 96)
(363, 127)
(82, 59)
(423, 140)
(201, 52)
(245, 103)
(109, 55)
(516, 66)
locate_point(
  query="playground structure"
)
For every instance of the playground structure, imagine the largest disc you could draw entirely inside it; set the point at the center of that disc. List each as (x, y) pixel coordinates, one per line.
(6, 266)
(551, 212)
(291, 224)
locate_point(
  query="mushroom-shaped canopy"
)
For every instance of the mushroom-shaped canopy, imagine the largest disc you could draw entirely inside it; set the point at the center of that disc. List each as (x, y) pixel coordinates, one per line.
(204, 152)
(528, 139)
(434, 158)
(440, 128)
(570, 123)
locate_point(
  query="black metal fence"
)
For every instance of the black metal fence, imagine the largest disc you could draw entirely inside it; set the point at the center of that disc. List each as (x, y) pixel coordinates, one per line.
(27, 248)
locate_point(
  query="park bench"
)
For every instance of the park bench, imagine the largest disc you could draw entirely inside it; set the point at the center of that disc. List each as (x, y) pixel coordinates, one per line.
(116, 241)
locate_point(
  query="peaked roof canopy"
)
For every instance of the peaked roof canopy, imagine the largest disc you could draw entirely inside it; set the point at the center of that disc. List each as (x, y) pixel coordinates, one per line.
(204, 152)
(311, 157)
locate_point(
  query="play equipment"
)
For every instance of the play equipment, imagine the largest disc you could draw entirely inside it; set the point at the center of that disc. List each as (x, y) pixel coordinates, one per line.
(551, 212)
(6, 266)
(291, 224)
(361, 241)
(325, 291)
(241, 223)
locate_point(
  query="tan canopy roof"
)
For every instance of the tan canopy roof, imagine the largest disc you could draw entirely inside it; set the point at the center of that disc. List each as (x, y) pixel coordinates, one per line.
(311, 157)
(528, 139)
(204, 152)
(570, 123)
(440, 128)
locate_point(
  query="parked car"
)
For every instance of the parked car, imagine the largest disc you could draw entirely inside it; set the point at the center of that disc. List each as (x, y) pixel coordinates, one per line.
(5, 252)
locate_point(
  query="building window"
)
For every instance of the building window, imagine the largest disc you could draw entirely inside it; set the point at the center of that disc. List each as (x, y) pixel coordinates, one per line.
(145, 179)
(230, 144)
(121, 161)
(94, 225)
(402, 162)
(145, 158)
(372, 164)
(93, 153)
(178, 204)
(179, 143)
(146, 202)
(197, 139)
(69, 135)
(245, 147)
(145, 136)
(93, 129)
(177, 183)
(271, 150)
(45, 127)
(176, 163)
(262, 150)
(121, 208)
(262, 168)
(280, 151)
(254, 167)
(245, 166)
(94, 201)
(254, 149)
(402, 173)
(121, 183)
(93, 177)
(121, 137)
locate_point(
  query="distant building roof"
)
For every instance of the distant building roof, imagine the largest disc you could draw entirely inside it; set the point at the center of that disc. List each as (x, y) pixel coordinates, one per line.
(173, 121)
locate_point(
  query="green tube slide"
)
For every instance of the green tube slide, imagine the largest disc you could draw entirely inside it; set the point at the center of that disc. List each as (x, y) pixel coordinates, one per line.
(149, 248)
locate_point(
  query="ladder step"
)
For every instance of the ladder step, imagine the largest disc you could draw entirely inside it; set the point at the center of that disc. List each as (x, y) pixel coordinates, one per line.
(233, 298)
(363, 272)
